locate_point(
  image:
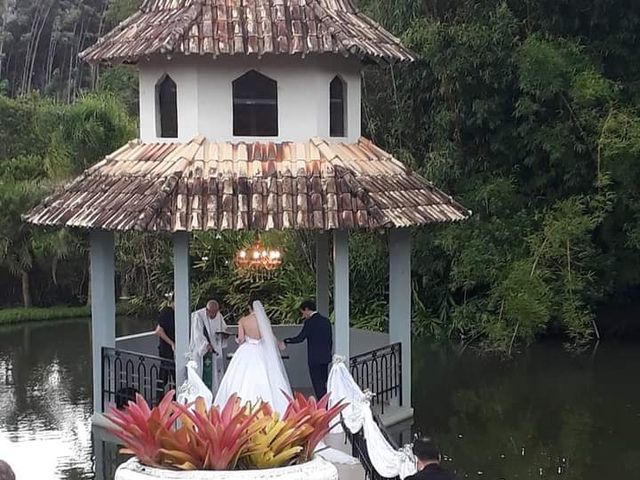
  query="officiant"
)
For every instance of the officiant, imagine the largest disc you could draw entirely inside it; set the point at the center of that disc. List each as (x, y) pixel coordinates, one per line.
(209, 336)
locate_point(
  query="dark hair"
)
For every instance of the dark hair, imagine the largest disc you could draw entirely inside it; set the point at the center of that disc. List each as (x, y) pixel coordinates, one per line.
(253, 297)
(425, 449)
(5, 471)
(308, 305)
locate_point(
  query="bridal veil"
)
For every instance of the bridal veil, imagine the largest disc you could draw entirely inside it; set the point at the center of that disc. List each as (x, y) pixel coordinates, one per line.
(278, 375)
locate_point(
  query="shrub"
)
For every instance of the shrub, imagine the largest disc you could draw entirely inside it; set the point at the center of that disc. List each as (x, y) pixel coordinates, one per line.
(192, 437)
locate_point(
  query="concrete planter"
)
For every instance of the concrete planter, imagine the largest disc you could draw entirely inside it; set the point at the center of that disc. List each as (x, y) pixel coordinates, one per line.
(316, 469)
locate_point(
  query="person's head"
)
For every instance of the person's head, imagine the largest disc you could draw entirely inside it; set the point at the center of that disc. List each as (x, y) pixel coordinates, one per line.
(252, 299)
(5, 471)
(212, 308)
(426, 452)
(307, 308)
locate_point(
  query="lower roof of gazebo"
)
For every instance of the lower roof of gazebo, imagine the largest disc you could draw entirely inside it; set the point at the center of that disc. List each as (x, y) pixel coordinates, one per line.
(204, 185)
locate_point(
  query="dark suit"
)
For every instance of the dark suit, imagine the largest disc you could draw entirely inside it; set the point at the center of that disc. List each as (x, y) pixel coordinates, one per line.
(317, 332)
(433, 472)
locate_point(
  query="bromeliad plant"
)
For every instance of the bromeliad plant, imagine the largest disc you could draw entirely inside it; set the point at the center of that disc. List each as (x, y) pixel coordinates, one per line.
(315, 414)
(143, 430)
(278, 443)
(192, 437)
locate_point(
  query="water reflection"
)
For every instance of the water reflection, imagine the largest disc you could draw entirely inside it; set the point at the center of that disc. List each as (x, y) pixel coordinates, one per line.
(543, 415)
(45, 399)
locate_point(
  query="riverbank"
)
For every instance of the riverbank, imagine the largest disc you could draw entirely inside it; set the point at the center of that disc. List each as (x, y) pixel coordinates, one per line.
(12, 316)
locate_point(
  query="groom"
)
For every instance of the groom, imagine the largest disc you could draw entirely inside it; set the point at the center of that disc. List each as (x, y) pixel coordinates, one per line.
(317, 332)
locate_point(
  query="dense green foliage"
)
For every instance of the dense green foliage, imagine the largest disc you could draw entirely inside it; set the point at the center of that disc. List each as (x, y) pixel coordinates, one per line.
(527, 112)
(10, 316)
(44, 142)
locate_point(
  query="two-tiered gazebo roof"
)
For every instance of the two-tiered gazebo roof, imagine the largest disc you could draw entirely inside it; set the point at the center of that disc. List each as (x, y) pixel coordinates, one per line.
(202, 185)
(196, 167)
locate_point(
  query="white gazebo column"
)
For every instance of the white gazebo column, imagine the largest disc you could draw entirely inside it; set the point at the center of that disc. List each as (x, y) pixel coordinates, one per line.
(400, 302)
(103, 305)
(322, 273)
(341, 292)
(182, 299)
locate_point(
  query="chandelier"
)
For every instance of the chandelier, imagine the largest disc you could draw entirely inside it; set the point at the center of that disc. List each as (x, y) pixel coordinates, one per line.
(258, 258)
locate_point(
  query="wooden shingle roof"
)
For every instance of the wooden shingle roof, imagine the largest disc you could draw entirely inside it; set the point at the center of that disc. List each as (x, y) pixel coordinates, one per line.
(258, 27)
(203, 185)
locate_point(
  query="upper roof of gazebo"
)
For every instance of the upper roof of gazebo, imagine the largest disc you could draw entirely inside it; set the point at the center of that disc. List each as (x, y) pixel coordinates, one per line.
(203, 185)
(244, 27)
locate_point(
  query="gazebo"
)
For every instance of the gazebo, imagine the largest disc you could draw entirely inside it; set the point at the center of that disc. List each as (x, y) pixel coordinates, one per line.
(193, 170)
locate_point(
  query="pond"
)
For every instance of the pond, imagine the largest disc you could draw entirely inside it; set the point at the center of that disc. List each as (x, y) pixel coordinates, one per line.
(545, 414)
(46, 399)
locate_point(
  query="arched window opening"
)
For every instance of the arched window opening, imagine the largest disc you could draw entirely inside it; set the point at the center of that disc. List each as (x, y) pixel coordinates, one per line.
(167, 108)
(337, 108)
(255, 106)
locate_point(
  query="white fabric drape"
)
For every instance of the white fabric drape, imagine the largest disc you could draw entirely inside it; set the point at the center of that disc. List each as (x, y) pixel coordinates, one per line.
(387, 461)
(194, 387)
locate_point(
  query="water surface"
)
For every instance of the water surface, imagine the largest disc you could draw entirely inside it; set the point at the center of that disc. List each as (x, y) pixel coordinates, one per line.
(545, 414)
(46, 398)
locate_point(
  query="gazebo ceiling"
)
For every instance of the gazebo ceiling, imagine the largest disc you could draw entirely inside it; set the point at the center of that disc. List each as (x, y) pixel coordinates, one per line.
(203, 185)
(247, 27)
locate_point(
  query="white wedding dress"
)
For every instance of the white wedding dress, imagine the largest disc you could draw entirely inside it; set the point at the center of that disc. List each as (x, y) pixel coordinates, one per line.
(256, 371)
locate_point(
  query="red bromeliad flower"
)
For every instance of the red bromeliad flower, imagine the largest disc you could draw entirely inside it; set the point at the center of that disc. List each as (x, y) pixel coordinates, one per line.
(192, 437)
(309, 411)
(221, 437)
(141, 429)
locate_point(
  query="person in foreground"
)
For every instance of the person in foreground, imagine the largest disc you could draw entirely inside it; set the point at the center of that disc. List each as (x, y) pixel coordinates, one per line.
(317, 332)
(5, 471)
(256, 371)
(428, 462)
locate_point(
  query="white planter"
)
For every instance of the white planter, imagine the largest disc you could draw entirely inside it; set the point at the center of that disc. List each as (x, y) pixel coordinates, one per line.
(316, 469)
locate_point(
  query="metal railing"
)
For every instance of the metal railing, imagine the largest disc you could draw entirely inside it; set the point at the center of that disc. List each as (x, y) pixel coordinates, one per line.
(359, 449)
(126, 373)
(380, 372)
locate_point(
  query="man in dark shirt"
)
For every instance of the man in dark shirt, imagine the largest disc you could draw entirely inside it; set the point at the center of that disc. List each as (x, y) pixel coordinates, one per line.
(428, 462)
(317, 333)
(166, 332)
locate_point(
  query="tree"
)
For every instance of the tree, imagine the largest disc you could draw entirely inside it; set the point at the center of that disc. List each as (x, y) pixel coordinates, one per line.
(521, 111)
(44, 143)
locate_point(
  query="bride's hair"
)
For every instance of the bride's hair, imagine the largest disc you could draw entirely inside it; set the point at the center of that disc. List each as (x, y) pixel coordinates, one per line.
(252, 298)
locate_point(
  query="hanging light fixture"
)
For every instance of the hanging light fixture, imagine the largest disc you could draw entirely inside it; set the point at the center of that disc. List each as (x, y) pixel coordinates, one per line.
(258, 258)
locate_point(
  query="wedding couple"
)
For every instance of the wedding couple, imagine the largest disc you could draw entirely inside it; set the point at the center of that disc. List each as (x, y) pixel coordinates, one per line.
(256, 371)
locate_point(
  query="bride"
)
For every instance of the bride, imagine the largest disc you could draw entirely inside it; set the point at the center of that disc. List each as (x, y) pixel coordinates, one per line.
(256, 370)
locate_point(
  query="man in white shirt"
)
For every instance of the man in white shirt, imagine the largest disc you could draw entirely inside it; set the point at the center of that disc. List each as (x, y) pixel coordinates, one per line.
(208, 340)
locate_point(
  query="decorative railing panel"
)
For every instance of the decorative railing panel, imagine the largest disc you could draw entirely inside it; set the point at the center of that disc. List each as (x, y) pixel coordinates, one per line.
(380, 371)
(359, 450)
(126, 373)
